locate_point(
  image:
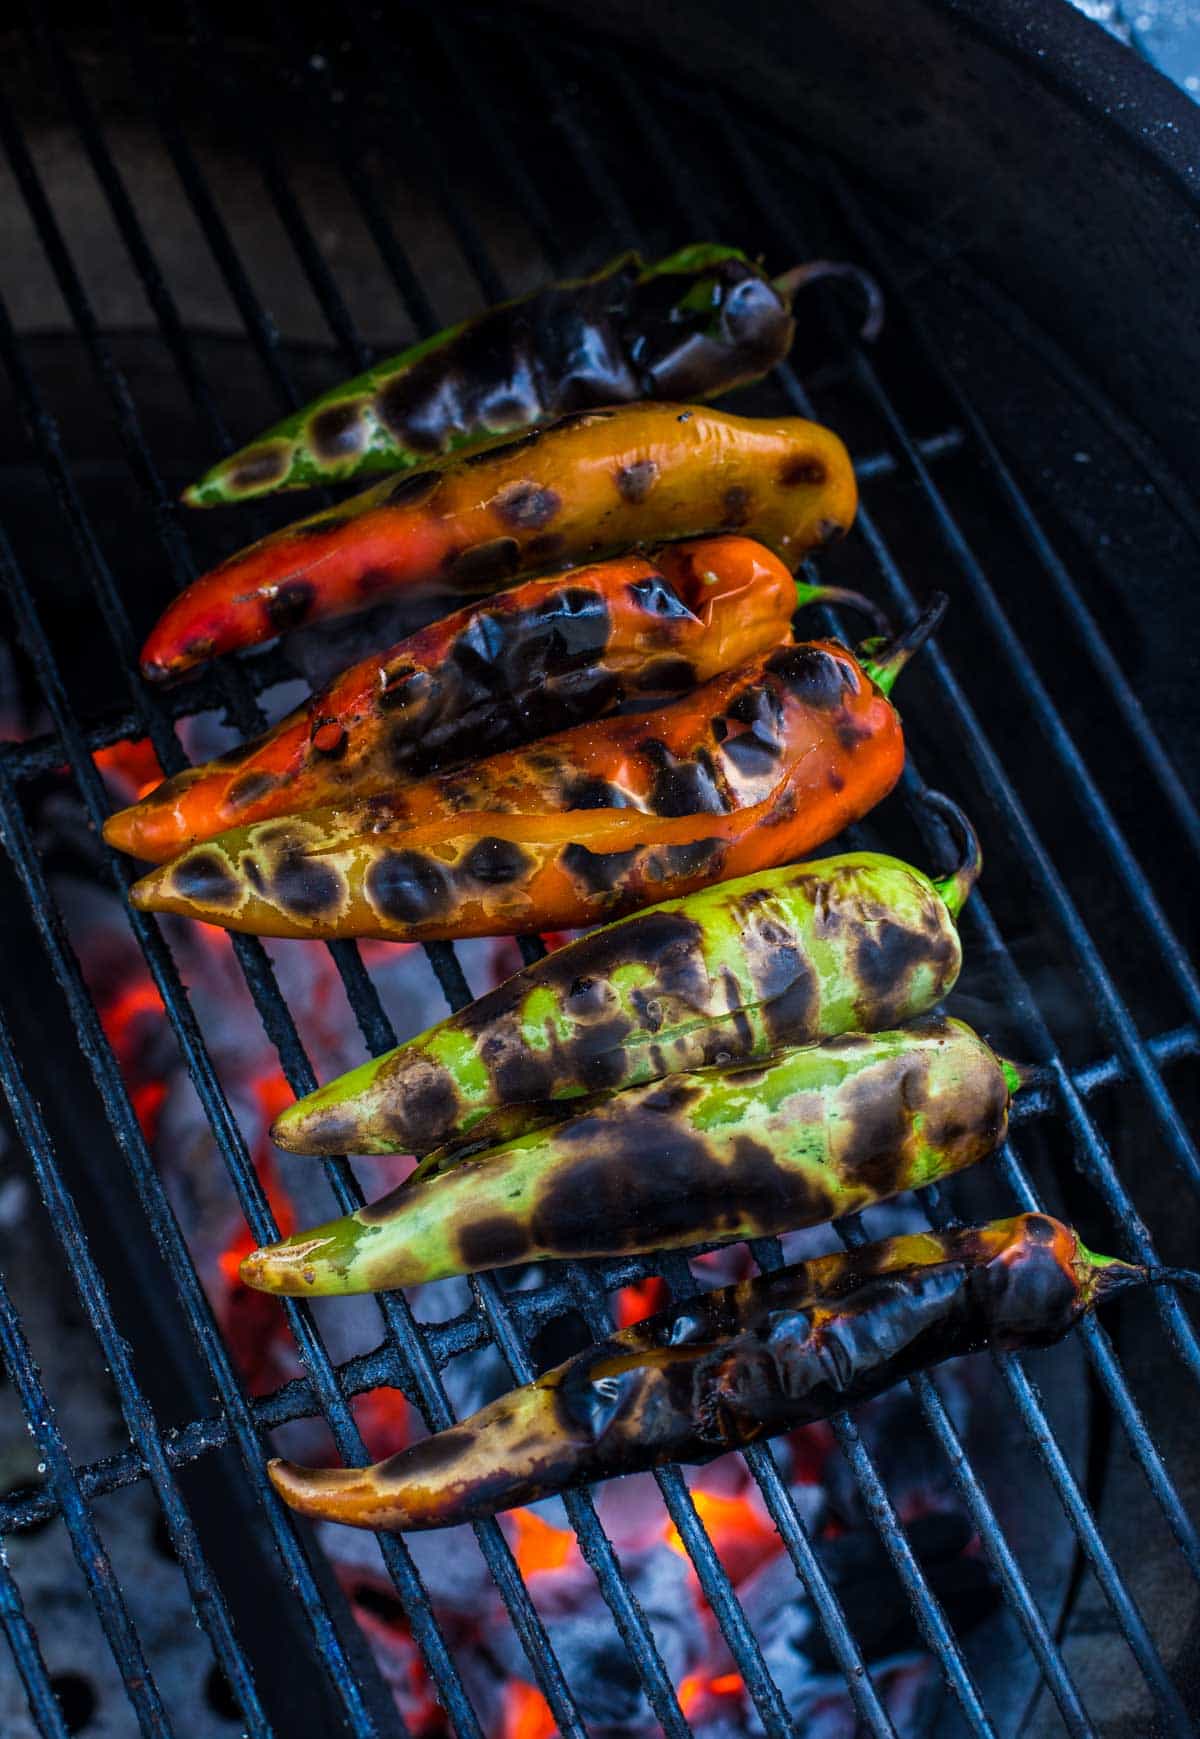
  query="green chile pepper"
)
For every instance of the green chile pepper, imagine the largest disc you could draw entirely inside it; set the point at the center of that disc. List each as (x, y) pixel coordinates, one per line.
(850, 943)
(815, 1133)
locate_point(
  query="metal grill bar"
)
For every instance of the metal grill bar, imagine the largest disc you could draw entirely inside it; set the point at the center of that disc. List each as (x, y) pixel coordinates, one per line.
(410, 1356)
(206, 1596)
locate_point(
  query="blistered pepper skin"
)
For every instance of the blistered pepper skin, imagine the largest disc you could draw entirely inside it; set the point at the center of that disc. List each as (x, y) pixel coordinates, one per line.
(589, 486)
(858, 942)
(718, 1154)
(751, 770)
(732, 1367)
(536, 659)
(690, 326)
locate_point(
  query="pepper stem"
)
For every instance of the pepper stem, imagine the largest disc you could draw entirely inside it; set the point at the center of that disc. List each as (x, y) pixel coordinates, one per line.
(1185, 1277)
(810, 592)
(885, 659)
(956, 886)
(812, 271)
(1017, 1075)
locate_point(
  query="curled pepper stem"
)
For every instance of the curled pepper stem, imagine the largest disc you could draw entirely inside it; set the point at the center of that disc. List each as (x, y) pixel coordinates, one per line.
(1185, 1277)
(956, 885)
(812, 271)
(810, 592)
(883, 660)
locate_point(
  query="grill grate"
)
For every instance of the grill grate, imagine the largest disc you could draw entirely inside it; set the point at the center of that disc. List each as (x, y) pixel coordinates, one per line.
(650, 111)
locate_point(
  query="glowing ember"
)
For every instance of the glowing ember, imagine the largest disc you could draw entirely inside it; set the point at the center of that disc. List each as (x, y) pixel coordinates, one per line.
(739, 1528)
(536, 1544)
(526, 1713)
(130, 766)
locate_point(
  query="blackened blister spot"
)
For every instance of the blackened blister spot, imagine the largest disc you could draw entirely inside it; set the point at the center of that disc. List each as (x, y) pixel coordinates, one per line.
(687, 788)
(484, 565)
(495, 862)
(408, 888)
(1039, 1230)
(1030, 1302)
(250, 787)
(337, 432)
(291, 604)
(589, 793)
(260, 465)
(598, 871)
(886, 957)
(598, 1052)
(546, 547)
(813, 675)
(521, 1076)
(305, 886)
(634, 482)
(318, 527)
(736, 505)
(402, 685)
(751, 756)
(666, 676)
(415, 489)
(528, 506)
(801, 468)
(657, 597)
(205, 876)
(691, 857)
(493, 1242)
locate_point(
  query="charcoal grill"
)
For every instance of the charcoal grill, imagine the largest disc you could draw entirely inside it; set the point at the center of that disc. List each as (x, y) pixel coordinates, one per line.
(1058, 716)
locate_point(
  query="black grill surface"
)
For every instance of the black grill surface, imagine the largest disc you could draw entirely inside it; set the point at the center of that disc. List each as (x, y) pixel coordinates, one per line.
(206, 225)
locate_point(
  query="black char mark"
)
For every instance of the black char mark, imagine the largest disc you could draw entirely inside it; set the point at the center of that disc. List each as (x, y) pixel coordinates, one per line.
(290, 604)
(634, 482)
(250, 788)
(483, 566)
(658, 598)
(801, 468)
(813, 675)
(408, 887)
(886, 959)
(204, 876)
(599, 872)
(736, 506)
(336, 432)
(528, 506)
(629, 1181)
(495, 862)
(493, 1242)
(260, 465)
(305, 886)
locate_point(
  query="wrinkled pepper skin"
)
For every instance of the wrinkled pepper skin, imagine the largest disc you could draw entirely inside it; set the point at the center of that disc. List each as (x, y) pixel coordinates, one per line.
(719, 1154)
(587, 487)
(751, 770)
(533, 660)
(690, 326)
(858, 942)
(732, 1367)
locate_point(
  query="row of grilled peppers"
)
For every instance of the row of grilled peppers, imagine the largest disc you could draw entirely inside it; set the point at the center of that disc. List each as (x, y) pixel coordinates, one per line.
(741, 1059)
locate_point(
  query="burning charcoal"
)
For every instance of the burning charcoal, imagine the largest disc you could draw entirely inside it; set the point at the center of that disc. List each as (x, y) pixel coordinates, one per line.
(596, 1663)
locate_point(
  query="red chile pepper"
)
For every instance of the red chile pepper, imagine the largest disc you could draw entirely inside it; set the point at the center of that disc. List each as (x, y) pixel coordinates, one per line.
(587, 487)
(735, 1366)
(751, 770)
(535, 659)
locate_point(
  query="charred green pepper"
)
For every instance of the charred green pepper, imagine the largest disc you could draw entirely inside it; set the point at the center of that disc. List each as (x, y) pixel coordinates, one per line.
(736, 1365)
(848, 943)
(693, 325)
(814, 1133)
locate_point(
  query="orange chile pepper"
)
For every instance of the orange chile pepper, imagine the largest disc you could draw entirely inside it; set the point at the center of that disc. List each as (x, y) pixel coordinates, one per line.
(591, 485)
(751, 770)
(538, 658)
